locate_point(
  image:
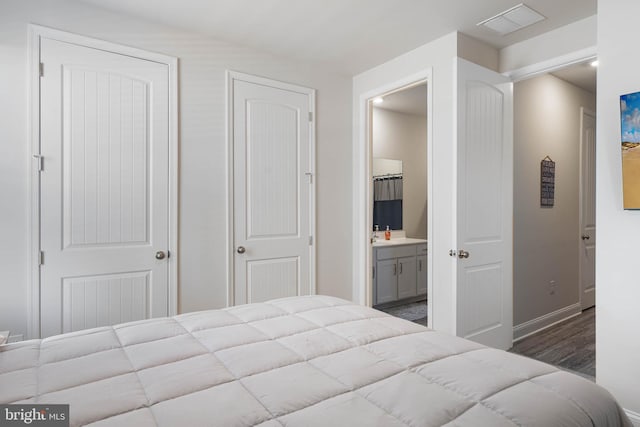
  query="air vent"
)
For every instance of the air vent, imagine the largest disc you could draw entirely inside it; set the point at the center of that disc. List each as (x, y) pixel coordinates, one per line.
(511, 20)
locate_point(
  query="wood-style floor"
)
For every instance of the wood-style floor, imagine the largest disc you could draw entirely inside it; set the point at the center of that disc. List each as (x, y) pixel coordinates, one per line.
(569, 345)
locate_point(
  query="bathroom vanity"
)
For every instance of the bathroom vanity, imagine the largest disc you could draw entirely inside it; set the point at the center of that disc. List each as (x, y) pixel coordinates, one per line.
(399, 270)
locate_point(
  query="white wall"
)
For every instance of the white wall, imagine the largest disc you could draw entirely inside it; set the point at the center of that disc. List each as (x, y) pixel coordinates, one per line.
(202, 64)
(404, 137)
(618, 231)
(545, 239)
(437, 56)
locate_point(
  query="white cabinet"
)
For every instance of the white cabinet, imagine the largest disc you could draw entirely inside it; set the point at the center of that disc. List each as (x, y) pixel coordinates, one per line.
(400, 271)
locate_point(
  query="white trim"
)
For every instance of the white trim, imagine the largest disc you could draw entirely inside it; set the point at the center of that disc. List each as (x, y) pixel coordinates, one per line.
(230, 76)
(362, 201)
(541, 323)
(633, 416)
(583, 111)
(36, 33)
(553, 64)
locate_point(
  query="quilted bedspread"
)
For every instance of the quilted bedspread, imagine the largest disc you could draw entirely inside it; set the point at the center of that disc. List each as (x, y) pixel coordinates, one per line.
(302, 361)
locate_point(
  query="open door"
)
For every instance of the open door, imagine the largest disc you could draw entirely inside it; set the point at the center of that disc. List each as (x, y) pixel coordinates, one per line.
(484, 206)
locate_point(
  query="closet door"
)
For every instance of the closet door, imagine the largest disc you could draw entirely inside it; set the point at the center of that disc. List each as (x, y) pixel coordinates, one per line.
(272, 190)
(104, 188)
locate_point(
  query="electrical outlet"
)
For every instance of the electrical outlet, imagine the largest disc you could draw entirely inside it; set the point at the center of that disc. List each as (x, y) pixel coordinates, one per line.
(552, 287)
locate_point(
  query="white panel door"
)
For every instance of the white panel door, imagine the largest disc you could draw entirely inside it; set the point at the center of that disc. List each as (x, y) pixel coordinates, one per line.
(104, 188)
(484, 206)
(272, 154)
(588, 211)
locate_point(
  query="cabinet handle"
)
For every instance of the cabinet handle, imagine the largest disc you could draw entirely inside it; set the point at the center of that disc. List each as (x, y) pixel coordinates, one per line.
(420, 265)
(395, 269)
(400, 268)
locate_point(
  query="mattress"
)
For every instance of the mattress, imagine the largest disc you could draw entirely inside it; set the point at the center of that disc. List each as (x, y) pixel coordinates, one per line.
(303, 361)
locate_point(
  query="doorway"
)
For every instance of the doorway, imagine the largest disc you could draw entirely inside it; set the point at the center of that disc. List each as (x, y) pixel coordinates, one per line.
(399, 185)
(554, 235)
(363, 179)
(104, 184)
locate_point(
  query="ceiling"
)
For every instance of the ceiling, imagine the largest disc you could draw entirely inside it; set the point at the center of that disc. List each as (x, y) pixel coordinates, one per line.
(408, 101)
(349, 36)
(582, 75)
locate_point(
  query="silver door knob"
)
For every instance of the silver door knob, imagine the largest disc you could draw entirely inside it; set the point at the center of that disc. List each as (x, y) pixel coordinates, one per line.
(585, 237)
(160, 255)
(463, 254)
(241, 250)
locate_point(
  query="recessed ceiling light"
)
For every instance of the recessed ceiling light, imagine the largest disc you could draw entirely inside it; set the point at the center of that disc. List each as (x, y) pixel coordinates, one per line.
(511, 20)
(378, 100)
(595, 63)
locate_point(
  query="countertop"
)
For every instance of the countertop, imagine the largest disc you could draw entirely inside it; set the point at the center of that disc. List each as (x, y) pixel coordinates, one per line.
(397, 242)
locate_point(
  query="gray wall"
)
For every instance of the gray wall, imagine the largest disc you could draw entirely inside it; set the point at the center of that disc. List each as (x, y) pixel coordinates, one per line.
(404, 137)
(202, 176)
(546, 122)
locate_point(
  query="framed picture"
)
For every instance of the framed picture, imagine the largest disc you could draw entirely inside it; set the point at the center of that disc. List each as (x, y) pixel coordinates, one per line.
(630, 139)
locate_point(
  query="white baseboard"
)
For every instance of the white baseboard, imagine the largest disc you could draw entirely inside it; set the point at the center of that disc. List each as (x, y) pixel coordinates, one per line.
(538, 324)
(634, 417)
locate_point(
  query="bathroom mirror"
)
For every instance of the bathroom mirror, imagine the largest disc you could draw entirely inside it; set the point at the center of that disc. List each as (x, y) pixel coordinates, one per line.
(387, 193)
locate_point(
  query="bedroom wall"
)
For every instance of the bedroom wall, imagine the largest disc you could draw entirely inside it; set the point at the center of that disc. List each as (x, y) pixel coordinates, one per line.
(545, 240)
(404, 137)
(202, 179)
(618, 231)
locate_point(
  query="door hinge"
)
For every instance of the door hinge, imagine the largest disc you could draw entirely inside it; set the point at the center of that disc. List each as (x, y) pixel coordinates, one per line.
(453, 253)
(310, 176)
(41, 258)
(310, 116)
(41, 69)
(40, 161)
(310, 240)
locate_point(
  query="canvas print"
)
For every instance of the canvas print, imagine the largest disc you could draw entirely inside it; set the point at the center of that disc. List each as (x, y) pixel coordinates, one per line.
(630, 129)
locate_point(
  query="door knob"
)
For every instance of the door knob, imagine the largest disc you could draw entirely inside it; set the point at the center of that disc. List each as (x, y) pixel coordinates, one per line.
(241, 250)
(160, 255)
(585, 237)
(463, 254)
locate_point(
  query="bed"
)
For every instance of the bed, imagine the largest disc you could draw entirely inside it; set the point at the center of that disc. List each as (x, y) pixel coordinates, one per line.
(302, 361)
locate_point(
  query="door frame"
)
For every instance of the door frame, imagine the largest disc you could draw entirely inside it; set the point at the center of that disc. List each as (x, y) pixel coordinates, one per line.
(36, 33)
(230, 77)
(363, 191)
(583, 111)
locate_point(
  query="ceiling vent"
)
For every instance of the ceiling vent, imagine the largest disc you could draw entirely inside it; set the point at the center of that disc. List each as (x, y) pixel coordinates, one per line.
(511, 20)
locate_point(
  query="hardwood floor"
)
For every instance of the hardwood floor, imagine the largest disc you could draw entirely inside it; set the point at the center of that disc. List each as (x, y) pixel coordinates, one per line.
(569, 345)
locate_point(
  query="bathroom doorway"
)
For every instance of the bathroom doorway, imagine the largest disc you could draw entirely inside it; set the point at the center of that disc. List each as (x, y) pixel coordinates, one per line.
(399, 188)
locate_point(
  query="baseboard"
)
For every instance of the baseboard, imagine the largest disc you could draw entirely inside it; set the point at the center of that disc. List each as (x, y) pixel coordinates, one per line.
(634, 417)
(538, 324)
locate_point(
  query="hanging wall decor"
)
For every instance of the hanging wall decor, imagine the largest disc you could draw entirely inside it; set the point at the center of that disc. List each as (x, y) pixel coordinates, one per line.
(547, 181)
(630, 138)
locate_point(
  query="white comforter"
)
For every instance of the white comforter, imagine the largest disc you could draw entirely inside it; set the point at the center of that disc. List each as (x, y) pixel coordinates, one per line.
(306, 361)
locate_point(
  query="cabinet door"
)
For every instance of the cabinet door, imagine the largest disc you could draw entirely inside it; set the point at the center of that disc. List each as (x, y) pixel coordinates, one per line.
(407, 277)
(386, 281)
(422, 275)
